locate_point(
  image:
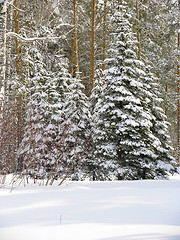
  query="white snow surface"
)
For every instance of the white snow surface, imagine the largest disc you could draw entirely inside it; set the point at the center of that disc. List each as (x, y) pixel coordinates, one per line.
(120, 210)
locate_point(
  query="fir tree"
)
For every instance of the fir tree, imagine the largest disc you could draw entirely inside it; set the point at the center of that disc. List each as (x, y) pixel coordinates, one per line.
(158, 27)
(76, 130)
(46, 90)
(165, 163)
(123, 133)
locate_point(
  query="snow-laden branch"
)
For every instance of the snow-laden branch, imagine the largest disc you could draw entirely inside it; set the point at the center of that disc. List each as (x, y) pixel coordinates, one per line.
(30, 39)
(18, 9)
(24, 39)
(65, 25)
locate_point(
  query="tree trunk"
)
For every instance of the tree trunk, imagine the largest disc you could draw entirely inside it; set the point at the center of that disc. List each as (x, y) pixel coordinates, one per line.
(1, 49)
(104, 34)
(178, 76)
(138, 34)
(19, 97)
(72, 56)
(4, 54)
(92, 46)
(75, 44)
(16, 23)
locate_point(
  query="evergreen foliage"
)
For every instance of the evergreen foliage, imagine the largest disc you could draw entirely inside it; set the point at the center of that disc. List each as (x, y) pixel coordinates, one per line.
(45, 99)
(51, 129)
(76, 121)
(158, 30)
(124, 136)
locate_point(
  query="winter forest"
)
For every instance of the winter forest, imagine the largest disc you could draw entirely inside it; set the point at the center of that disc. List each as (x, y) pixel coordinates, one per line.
(89, 89)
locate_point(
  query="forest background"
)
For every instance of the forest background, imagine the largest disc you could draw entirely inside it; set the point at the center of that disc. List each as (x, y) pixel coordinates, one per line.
(88, 89)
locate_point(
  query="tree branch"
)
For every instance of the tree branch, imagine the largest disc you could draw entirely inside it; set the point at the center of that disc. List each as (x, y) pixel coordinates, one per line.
(18, 9)
(34, 38)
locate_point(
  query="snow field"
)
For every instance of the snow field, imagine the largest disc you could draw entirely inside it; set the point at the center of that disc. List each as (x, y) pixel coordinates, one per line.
(124, 210)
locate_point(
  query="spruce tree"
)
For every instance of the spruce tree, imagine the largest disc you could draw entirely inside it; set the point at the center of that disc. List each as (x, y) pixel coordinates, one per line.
(165, 164)
(158, 29)
(76, 130)
(124, 131)
(45, 97)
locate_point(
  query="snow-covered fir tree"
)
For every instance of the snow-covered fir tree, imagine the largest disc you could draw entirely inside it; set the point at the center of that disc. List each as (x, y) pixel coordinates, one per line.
(46, 129)
(158, 30)
(123, 133)
(164, 163)
(45, 97)
(76, 130)
(94, 101)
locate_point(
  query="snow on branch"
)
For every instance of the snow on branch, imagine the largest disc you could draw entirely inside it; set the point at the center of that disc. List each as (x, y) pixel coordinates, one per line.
(65, 25)
(18, 9)
(34, 38)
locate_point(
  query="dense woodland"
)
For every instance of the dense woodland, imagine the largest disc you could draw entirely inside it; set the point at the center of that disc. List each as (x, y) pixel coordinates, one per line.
(89, 89)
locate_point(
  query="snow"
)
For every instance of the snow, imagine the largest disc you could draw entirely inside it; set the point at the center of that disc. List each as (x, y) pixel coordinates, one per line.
(119, 210)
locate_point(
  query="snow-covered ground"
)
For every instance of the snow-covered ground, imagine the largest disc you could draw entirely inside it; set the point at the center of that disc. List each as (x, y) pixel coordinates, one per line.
(124, 210)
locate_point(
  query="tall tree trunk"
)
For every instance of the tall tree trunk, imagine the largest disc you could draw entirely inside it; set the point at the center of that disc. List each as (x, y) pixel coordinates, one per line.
(138, 34)
(72, 56)
(104, 34)
(165, 107)
(1, 49)
(19, 97)
(178, 76)
(75, 43)
(4, 55)
(16, 23)
(92, 46)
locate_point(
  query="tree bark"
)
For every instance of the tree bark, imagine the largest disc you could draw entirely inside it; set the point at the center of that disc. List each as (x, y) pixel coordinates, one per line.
(138, 34)
(178, 77)
(1, 48)
(104, 34)
(4, 56)
(16, 23)
(72, 56)
(92, 46)
(75, 44)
